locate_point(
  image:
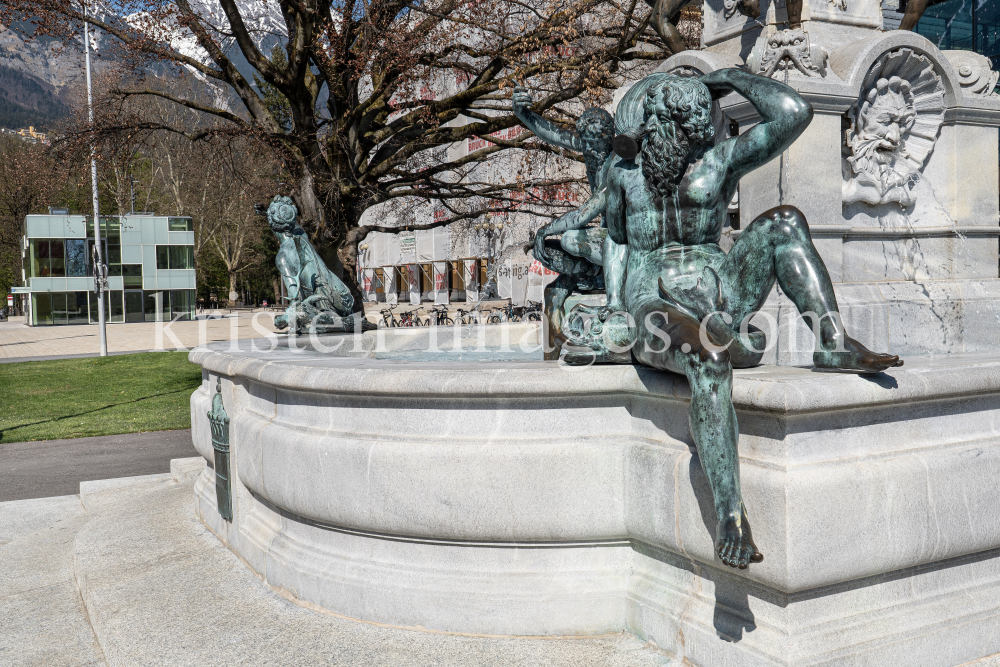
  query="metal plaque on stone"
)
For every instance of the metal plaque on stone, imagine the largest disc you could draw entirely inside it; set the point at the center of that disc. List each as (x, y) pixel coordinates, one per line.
(219, 421)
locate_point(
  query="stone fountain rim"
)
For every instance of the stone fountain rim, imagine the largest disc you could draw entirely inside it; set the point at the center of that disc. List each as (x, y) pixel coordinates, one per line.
(778, 389)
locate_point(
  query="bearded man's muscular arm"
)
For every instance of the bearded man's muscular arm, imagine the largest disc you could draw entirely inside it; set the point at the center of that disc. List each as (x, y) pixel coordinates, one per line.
(784, 113)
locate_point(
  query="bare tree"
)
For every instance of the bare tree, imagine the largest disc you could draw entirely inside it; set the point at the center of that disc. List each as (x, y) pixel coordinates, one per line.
(376, 91)
(31, 178)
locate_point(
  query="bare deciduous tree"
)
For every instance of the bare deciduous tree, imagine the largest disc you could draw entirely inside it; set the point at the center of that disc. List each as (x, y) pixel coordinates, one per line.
(376, 91)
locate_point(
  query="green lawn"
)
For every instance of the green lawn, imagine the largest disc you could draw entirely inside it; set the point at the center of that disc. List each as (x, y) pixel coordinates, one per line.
(73, 398)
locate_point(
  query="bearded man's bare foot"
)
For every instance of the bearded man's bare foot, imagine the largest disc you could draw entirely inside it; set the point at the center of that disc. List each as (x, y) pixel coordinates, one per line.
(734, 543)
(853, 356)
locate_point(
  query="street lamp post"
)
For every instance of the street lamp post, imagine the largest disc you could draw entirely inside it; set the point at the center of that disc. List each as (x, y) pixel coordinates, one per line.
(492, 231)
(362, 265)
(100, 268)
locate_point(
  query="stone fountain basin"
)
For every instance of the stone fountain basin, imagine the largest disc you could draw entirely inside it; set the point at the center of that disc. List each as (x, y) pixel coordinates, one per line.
(526, 498)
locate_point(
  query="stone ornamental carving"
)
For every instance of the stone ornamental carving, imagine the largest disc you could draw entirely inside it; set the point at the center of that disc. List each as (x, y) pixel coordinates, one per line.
(749, 8)
(894, 125)
(975, 72)
(785, 50)
(684, 70)
(218, 420)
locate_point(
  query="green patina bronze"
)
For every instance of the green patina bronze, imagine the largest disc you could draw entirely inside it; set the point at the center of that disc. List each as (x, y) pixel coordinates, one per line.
(676, 301)
(219, 422)
(578, 254)
(318, 300)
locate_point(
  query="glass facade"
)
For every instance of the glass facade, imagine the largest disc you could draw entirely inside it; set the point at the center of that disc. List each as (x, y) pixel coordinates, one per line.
(174, 257)
(48, 308)
(965, 25)
(58, 258)
(59, 308)
(58, 264)
(111, 240)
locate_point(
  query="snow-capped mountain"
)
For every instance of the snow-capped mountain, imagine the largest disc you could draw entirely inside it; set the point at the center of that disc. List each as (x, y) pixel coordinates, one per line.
(262, 18)
(57, 68)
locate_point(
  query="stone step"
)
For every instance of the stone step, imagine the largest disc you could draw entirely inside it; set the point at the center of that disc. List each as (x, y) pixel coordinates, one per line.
(161, 590)
(42, 619)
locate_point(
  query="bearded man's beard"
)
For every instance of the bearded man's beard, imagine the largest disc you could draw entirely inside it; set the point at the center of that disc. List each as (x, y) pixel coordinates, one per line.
(665, 151)
(890, 167)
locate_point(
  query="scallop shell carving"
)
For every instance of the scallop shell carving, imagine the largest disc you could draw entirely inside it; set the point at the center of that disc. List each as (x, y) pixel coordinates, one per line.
(895, 123)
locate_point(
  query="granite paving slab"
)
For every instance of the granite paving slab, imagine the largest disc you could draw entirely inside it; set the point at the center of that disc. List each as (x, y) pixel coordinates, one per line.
(161, 590)
(42, 619)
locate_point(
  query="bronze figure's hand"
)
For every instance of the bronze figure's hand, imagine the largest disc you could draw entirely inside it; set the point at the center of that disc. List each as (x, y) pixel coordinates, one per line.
(521, 99)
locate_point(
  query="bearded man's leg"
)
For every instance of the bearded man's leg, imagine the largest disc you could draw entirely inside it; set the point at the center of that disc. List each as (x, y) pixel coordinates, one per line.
(777, 246)
(711, 417)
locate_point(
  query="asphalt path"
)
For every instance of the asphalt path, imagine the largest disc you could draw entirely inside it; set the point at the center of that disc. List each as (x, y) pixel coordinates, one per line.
(46, 468)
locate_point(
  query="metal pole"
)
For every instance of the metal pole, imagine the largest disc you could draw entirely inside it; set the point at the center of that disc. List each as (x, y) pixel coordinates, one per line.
(100, 269)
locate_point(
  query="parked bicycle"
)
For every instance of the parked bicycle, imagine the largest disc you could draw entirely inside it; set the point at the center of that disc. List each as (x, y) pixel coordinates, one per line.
(507, 313)
(405, 319)
(439, 316)
(419, 321)
(388, 318)
(532, 313)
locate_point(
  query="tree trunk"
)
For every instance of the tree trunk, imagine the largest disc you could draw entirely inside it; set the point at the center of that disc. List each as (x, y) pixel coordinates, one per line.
(232, 286)
(350, 277)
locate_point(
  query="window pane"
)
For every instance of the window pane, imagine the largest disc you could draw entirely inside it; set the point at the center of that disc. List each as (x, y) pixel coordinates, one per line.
(162, 257)
(59, 314)
(116, 305)
(41, 308)
(181, 257)
(76, 304)
(114, 254)
(57, 258)
(181, 304)
(39, 258)
(112, 231)
(154, 306)
(76, 258)
(948, 24)
(133, 306)
(107, 306)
(988, 29)
(132, 275)
(180, 225)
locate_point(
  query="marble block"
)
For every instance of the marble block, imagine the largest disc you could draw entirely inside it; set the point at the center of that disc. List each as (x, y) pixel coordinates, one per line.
(527, 498)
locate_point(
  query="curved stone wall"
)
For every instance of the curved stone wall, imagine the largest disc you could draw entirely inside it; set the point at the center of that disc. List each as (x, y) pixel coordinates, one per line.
(524, 498)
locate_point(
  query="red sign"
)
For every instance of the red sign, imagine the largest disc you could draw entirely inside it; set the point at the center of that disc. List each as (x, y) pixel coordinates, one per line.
(538, 269)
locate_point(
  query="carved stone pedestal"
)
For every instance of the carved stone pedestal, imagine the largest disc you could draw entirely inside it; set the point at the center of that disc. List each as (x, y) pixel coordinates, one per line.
(526, 498)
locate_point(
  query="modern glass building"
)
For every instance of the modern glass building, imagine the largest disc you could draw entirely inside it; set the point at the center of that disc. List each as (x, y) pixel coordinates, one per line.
(970, 25)
(150, 260)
